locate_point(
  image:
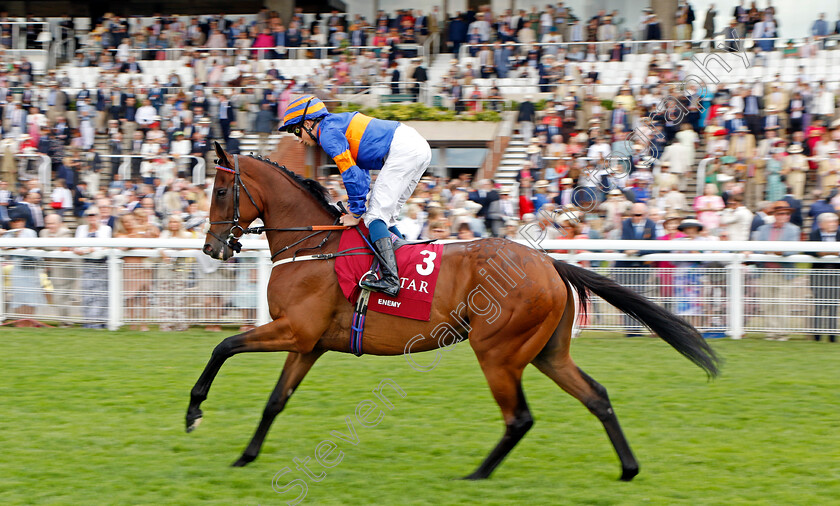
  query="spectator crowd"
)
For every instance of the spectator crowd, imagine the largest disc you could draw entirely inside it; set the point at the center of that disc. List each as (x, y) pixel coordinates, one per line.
(769, 151)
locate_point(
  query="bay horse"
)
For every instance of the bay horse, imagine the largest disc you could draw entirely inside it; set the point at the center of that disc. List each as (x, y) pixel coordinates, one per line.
(311, 316)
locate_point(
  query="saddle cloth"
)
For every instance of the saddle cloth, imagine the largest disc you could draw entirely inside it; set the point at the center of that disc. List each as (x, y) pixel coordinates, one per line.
(418, 265)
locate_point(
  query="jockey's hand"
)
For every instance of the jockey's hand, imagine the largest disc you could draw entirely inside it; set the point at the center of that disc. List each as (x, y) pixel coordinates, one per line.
(349, 221)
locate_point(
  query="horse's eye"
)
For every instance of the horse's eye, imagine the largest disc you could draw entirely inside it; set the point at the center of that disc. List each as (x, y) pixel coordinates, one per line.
(221, 192)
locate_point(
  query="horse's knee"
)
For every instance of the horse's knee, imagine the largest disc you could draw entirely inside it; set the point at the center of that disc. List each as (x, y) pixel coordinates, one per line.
(521, 423)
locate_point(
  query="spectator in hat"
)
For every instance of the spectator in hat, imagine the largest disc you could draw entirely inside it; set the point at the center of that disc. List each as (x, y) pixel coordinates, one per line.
(775, 286)
(665, 179)
(232, 143)
(565, 193)
(742, 145)
(795, 205)
(688, 278)
(94, 272)
(540, 196)
(666, 269)
(25, 280)
(615, 208)
(795, 168)
(534, 153)
(825, 278)
(829, 171)
(708, 207)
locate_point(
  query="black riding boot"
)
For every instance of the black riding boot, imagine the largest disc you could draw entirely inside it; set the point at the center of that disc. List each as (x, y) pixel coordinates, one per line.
(389, 283)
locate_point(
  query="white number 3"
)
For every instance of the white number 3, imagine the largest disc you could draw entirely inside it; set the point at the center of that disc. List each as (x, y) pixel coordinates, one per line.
(428, 263)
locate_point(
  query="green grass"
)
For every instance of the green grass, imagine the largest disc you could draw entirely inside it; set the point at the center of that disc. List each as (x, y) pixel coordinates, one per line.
(92, 417)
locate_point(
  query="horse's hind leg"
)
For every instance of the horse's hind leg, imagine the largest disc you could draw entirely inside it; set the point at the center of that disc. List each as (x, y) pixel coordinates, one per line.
(560, 368)
(506, 386)
(273, 336)
(296, 367)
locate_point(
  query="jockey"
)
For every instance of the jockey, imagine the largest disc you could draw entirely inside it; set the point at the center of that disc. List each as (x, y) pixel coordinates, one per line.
(359, 144)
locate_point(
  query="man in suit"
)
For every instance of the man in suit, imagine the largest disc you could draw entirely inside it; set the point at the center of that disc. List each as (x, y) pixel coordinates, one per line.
(795, 206)
(776, 285)
(526, 117)
(566, 193)
(131, 66)
(421, 26)
(419, 76)
(654, 29)
(741, 15)
(632, 273)
(752, 112)
(825, 282)
(620, 117)
(742, 145)
(709, 22)
(62, 130)
(499, 212)
(484, 195)
(35, 214)
(227, 116)
(56, 101)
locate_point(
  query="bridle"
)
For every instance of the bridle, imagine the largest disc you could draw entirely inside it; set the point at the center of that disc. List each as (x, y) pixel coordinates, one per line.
(232, 241)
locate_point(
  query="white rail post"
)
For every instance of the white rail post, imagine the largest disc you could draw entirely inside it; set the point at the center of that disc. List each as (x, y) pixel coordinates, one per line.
(2, 292)
(45, 173)
(125, 167)
(199, 170)
(735, 273)
(263, 275)
(115, 300)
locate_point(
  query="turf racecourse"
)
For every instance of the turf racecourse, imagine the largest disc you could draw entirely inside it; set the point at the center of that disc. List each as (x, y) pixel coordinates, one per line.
(93, 417)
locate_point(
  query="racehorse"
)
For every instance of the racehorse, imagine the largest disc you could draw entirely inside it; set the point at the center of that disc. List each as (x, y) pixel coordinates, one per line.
(311, 316)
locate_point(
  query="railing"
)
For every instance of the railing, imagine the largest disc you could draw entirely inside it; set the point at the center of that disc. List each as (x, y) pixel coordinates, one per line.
(124, 169)
(19, 27)
(261, 53)
(722, 291)
(642, 46)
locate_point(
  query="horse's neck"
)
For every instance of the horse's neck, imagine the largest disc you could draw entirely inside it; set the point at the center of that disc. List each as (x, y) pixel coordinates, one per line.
(305, 213)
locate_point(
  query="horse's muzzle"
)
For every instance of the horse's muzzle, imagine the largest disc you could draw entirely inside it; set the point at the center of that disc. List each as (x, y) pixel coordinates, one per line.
(208, 249)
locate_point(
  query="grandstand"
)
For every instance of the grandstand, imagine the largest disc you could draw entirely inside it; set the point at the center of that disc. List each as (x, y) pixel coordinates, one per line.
(180, 54)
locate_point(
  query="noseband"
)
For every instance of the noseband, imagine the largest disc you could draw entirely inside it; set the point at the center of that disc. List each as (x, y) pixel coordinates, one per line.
(232, 241)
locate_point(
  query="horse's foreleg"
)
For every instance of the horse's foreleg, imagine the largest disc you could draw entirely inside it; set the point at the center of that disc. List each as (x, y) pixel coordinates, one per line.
(506, 386)
(274, 336)
(297, 365)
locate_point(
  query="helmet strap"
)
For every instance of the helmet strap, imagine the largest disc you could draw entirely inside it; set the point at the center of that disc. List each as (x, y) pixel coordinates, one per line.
(309, 130)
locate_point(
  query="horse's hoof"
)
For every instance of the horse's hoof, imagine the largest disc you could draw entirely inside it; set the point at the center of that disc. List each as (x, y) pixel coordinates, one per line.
(243, 461)
(629, 473)
(193, 421)
(474, 477)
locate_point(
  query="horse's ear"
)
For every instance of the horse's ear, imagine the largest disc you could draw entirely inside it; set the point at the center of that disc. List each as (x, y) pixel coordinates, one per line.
(223, 157)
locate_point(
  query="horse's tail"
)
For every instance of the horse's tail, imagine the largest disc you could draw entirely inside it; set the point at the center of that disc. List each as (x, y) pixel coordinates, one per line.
(671, 328)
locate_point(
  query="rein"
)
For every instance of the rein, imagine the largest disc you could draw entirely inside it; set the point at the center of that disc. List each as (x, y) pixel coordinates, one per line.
(233, 243)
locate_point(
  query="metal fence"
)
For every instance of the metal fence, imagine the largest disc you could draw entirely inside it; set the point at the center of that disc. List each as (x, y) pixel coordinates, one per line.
(170, 283)
(173, 289)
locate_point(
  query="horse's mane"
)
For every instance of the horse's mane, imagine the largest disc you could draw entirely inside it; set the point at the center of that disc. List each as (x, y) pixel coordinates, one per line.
(316, 189)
